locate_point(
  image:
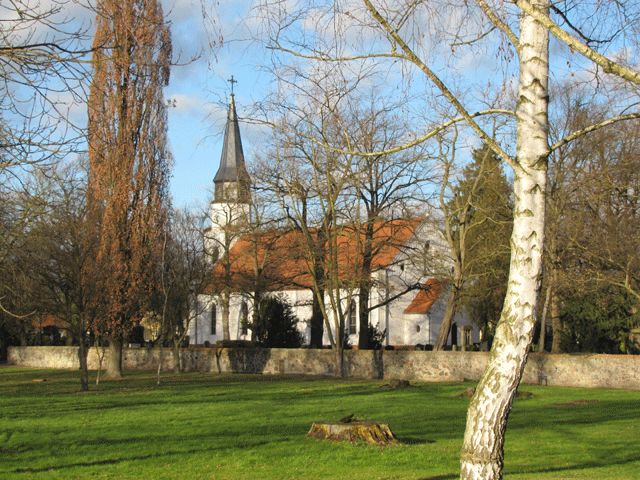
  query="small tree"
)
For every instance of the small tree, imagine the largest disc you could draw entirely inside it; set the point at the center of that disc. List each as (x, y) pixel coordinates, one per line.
(275, 327)
(488, 241)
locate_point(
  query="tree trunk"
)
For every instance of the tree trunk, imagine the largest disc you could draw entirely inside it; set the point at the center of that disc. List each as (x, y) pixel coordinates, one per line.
(447, 320)
(256, 320)
(177, 361)
(317, 322)
(114, 359)
(483, 448)
(160, 359)
(364, 287)
(226, 331)
(317, 318)
(84, 369)
(363, 314)
(339, 351)
(543, 320)
(556, 323)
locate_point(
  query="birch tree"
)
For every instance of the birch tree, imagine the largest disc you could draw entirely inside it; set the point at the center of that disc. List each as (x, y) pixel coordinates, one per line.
(524, 27)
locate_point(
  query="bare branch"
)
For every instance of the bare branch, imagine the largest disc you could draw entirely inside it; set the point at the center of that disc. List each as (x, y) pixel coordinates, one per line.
(417, 61)
(591, 128)
(432, 133)
(608, 65)
(497, 21)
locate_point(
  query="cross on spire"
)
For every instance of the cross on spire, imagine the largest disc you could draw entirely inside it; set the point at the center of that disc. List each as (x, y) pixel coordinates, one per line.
(232, 81)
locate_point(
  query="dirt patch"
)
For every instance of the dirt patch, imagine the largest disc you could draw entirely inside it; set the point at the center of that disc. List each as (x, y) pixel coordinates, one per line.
(524, 395)
(396, 384)
(467, 393)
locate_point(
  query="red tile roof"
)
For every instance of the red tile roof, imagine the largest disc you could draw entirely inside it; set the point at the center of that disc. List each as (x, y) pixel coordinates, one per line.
(48, 320)
(283, 260)
(425, 298)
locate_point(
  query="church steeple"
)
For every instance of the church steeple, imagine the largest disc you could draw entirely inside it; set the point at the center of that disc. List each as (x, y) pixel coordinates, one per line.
(232, 184)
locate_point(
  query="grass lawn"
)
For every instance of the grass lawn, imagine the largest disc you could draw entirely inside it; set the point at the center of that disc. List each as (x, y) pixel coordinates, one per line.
(205, 426)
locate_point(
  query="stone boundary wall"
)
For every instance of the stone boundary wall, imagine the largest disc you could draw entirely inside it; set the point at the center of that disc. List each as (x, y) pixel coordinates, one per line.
(576, 370)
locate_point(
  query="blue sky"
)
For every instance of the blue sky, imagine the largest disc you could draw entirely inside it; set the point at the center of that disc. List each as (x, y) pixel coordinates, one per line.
(200, 90)
(199, 87)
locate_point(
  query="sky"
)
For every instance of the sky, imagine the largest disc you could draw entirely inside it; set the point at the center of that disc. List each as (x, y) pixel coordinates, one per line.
(200, 88)
(200, 91)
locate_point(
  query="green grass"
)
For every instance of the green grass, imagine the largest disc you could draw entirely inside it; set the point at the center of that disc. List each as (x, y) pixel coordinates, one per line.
(204, 426)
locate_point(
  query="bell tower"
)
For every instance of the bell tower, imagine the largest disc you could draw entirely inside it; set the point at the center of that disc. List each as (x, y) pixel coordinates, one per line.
(232, 186)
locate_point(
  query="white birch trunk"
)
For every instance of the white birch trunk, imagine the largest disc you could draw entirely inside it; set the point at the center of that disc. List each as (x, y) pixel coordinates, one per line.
(482, 451)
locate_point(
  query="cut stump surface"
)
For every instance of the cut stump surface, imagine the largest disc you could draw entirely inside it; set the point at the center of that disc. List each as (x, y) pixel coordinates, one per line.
(359, 431)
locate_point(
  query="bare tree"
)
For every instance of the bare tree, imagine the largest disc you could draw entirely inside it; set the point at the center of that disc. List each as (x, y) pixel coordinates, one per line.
(385, 187)
(228, 225)
(187, 273)
(57, 253)
(476, 224)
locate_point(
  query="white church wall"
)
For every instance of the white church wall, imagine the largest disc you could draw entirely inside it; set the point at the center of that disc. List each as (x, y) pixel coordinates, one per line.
(403, 329)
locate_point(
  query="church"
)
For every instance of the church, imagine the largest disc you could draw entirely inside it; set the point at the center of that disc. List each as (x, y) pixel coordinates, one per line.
(406, 303)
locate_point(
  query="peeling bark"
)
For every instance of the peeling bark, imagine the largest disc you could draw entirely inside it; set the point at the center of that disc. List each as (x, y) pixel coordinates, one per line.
(483, 448)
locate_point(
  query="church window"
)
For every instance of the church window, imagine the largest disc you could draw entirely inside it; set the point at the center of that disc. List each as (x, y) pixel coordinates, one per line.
(214, 318)
(244, 318)
(351, 315)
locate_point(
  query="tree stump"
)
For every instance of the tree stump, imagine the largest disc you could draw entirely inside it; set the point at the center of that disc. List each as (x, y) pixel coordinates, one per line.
(372, 433)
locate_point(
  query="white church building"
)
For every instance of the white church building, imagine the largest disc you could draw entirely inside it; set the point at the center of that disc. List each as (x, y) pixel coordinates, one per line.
(407, 301)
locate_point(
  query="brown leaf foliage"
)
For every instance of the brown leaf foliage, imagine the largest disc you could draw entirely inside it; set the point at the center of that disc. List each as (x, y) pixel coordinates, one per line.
(128, 156)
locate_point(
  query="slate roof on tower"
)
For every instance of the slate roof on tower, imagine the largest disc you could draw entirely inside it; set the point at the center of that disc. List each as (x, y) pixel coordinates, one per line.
(232, 167)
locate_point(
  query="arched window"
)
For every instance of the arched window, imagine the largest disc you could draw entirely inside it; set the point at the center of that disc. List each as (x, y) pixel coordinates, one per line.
(214, 318)
(353, 321)
(244, 318)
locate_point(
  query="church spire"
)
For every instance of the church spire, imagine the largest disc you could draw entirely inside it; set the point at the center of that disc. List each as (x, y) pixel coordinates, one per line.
(232, 179)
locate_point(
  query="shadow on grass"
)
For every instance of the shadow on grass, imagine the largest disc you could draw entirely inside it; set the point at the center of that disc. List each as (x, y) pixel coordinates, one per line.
(573, 467)
(604, 462)
(414, 441)
(114, 461)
